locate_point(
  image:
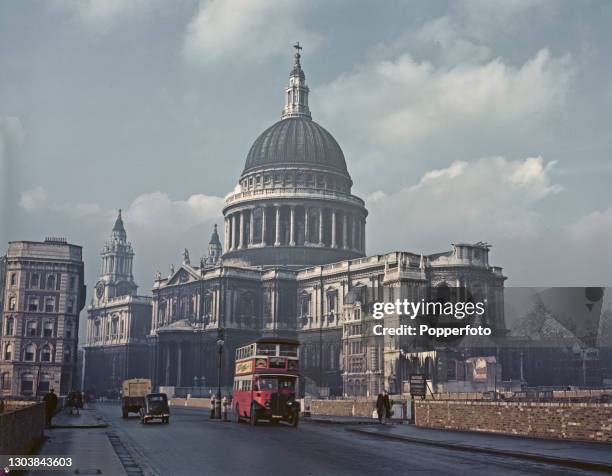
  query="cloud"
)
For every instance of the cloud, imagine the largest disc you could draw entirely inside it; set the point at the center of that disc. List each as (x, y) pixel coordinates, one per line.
(394, 104)
(37, 200)
(251, 30)
(479, 200)
(594, 228)
(157, 213)
(103, 14)
(33, 200)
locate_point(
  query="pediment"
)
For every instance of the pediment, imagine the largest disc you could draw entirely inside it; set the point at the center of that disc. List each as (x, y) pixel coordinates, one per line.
(183, 275)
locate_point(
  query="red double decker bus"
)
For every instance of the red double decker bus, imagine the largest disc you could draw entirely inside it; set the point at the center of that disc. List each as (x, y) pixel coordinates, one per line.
(266, 381)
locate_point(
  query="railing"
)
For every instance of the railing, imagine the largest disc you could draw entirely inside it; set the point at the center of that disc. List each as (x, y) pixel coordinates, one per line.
(298, 192)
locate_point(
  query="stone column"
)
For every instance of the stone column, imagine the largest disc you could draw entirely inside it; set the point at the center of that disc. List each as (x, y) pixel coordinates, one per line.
(353, 233)
(321, 226)
(263, 226)
(226, 235)
(251, 227)
(167, 376)
(333, 234)
(277, 229)
(232, 232)
(179, 358)
(344, 230)
(363, 236)
(291, 227)
(241, 231)
(306, 213)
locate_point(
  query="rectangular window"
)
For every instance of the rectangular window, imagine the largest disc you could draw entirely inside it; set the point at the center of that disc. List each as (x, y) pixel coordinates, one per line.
(48, 330)
(49, 304)
(70, 307)
(13, 279)
(72, 283)
(34, 304)
(31, 329)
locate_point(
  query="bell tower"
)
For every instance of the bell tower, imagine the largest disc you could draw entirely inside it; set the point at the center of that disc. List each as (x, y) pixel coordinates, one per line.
(116, 277)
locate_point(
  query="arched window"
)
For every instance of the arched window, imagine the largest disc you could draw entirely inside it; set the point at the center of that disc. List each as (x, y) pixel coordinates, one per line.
(30, 353)
(67, 354)
(96, 330)
(51, 281)
(5, 381)
(114, 327)
(27, 384)
(8, 351)
(45, 353)
(13, 279)
(8, 330)
(12, 303)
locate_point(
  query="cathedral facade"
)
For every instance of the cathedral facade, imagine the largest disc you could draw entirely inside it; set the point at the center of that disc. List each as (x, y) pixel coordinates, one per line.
(293, 264)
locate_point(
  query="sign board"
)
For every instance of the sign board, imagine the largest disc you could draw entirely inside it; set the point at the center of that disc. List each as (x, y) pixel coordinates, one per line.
(418, 387)
(245, 367)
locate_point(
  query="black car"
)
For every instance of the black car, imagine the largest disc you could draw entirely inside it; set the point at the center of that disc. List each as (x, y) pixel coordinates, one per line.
(155, 407)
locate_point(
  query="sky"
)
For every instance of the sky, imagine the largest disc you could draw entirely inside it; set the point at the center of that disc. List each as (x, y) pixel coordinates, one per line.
(468, 120)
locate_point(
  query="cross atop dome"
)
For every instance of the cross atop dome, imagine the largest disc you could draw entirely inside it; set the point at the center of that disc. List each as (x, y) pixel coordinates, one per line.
(296, 94)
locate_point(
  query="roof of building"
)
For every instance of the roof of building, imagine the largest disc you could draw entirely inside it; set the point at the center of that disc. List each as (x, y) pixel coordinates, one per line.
(295, 141)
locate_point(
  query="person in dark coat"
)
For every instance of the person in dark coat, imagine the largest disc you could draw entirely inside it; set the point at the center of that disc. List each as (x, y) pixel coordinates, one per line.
(50, 400)
(383, 406)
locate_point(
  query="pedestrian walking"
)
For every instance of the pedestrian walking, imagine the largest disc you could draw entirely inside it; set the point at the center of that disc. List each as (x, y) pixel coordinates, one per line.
(50, 400)
(383, 407)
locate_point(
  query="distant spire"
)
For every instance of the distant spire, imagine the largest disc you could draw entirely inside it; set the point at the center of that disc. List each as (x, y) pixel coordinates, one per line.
(118, 228)
(296, 93)
(214, 238)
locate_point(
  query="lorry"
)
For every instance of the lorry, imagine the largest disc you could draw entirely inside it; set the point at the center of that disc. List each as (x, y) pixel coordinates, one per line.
(133, 395)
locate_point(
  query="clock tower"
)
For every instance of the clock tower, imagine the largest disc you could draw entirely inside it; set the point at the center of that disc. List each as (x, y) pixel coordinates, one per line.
(116, 277)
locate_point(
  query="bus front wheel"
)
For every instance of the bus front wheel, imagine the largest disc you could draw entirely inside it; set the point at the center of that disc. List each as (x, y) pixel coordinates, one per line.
(253, 420)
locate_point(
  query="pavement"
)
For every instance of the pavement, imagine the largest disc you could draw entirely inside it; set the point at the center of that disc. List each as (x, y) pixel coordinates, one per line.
(87, 418)
(594, 456)
(193, 444)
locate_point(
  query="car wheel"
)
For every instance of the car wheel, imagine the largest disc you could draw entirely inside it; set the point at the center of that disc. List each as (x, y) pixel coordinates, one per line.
(253, 420)
(237, 414)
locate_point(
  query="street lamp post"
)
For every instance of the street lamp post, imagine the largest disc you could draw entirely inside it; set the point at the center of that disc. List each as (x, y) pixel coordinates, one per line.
(220, 342)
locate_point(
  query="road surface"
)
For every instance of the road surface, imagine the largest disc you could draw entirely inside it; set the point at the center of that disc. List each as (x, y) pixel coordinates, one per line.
(193, 444)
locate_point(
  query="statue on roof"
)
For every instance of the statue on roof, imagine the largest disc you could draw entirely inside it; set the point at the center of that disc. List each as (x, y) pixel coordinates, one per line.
(186, 259)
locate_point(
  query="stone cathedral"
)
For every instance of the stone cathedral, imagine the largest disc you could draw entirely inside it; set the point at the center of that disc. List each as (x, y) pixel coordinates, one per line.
(293, 263)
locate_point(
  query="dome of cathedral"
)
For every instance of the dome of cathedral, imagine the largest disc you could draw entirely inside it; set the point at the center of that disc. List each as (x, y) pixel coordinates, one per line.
(296, 141)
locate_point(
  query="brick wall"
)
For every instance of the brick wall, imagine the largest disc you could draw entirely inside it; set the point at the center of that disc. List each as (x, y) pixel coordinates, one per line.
(567, 421)
(21, 428)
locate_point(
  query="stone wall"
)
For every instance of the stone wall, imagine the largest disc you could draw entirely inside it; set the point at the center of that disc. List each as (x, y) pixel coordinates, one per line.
(566, 421)
(21, 428)
(343, 408)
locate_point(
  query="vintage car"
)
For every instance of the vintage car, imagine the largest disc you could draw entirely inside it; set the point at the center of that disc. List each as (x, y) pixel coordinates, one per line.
(155, 407)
